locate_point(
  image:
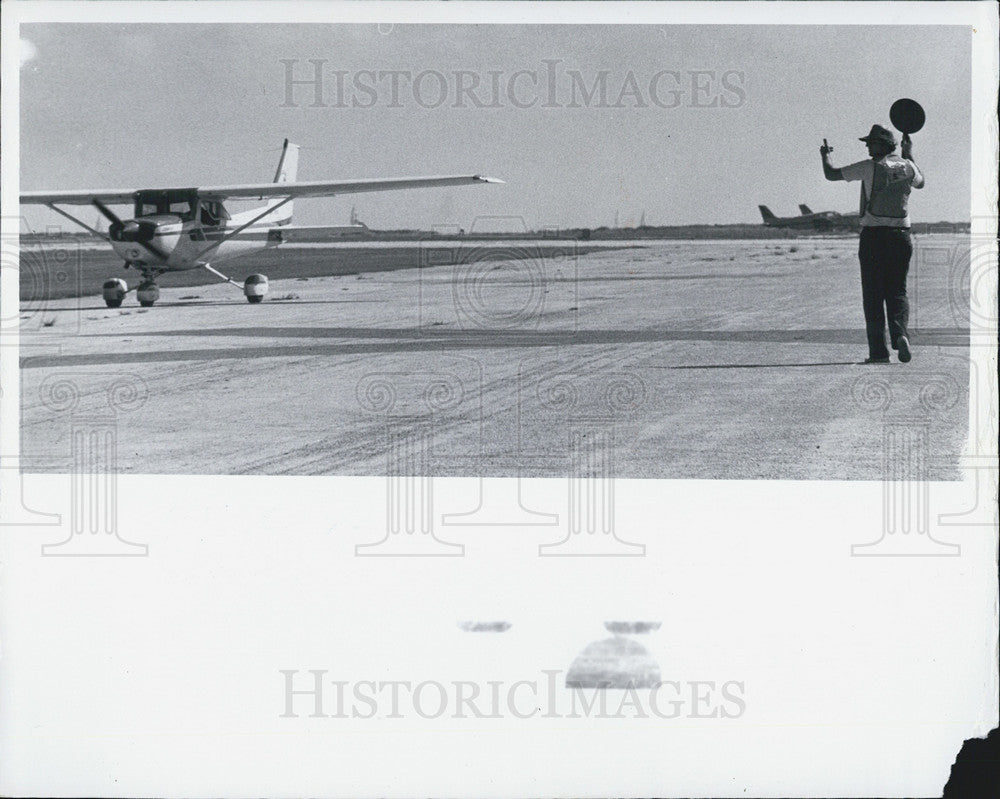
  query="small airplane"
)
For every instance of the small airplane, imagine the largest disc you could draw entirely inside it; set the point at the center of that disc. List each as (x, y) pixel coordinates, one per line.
(176, 229)
(821, 220)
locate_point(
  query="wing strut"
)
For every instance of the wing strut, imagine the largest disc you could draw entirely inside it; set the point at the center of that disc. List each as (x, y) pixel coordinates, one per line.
(217, 273)
(81, 224)
(241, 228)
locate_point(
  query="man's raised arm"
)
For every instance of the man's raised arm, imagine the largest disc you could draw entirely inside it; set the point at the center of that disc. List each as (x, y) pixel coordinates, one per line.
(906, 150)
(830, 172)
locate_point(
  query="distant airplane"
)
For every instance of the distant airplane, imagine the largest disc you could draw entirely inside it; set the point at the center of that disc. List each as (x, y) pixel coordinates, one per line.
(176, 229)
(822, 220)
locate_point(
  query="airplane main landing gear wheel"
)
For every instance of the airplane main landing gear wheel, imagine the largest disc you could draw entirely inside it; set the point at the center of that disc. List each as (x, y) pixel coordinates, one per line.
(148, 293)
(254, 288)
(114, 291)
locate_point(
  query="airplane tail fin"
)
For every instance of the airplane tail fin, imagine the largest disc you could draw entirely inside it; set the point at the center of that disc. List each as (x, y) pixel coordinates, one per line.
(804, 209)
(287, 171)
(765, 212)
(288, 164)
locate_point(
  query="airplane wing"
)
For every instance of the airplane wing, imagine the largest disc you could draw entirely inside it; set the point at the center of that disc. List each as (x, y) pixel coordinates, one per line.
(334, 187)
(83, 197)
(255, 190)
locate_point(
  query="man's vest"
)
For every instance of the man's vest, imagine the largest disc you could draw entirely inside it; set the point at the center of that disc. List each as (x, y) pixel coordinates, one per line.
(890, 188)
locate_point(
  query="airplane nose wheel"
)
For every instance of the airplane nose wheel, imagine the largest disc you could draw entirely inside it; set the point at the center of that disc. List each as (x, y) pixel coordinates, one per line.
(147, 293)
(114, 291)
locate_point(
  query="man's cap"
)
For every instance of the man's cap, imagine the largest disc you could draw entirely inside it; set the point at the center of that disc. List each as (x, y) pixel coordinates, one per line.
(878, 133)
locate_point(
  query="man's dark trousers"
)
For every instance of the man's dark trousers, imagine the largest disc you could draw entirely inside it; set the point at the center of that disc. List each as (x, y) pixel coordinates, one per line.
(884, 253)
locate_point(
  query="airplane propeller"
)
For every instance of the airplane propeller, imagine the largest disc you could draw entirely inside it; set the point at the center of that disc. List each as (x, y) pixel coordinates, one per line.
(111, 216)
(123, 226)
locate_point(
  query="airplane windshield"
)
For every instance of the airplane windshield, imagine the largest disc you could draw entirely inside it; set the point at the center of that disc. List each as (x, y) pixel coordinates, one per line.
(178, 208)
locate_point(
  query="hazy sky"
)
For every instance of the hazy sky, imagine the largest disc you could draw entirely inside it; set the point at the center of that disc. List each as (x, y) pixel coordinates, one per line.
(698, 124)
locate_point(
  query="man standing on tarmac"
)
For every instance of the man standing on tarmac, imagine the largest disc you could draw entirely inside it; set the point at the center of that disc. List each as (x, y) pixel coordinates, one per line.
(886, 244)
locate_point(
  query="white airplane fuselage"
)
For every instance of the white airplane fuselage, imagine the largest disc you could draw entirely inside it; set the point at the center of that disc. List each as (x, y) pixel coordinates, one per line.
(188, 243)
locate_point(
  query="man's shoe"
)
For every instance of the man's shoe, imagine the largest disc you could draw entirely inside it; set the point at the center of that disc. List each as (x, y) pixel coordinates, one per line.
(904, 349)
(877, 360)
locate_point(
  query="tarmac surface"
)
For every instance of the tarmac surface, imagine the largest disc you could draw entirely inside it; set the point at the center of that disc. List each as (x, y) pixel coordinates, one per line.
(670, 359)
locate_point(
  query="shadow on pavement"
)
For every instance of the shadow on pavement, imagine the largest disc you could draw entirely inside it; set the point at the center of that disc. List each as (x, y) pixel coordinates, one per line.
(413, 339)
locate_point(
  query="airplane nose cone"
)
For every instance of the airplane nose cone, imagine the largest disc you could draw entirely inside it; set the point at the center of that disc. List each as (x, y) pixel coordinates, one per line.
(132, 231)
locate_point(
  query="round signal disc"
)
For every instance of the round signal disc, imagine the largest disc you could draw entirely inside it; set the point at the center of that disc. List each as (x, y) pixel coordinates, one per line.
(907, 115)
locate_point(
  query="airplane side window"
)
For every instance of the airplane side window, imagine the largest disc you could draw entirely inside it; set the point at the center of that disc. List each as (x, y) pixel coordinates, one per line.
(209, 214)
